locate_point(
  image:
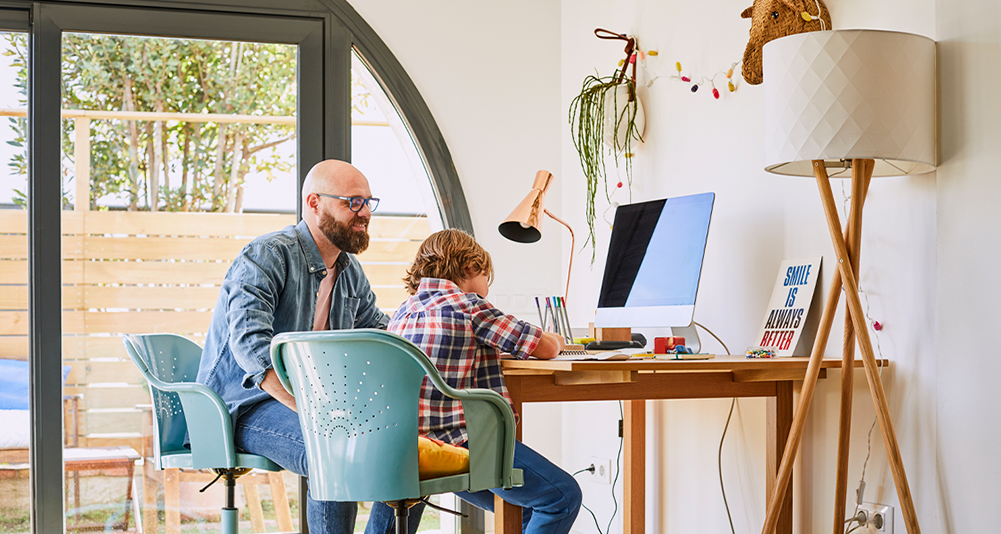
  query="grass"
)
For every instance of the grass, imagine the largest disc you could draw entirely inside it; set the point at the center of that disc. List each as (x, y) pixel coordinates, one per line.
(110, 515)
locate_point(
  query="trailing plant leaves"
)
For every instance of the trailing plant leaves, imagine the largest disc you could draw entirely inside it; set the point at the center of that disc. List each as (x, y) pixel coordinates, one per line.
(587, 129)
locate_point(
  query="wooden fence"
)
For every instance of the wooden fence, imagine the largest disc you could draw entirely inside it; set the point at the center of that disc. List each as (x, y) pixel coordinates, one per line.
(140, 272)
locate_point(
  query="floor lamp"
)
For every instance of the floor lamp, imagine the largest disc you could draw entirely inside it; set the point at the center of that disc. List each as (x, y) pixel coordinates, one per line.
(837, 101)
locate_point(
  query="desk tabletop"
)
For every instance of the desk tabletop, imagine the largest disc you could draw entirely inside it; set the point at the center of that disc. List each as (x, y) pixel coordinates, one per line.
(764, 367)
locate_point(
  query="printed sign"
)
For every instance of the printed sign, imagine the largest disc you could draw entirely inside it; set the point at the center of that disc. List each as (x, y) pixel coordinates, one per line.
(790, 305)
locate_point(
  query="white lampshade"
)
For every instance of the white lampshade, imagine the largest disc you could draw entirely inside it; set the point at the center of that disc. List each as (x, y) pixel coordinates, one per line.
(850, 94)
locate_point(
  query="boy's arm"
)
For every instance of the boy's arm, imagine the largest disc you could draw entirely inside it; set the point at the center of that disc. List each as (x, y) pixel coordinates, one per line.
(549, 346)
(494, 328)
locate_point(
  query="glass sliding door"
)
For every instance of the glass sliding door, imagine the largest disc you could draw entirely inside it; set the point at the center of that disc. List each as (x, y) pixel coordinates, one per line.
(175, 132)
(170, 148)
(15, 401)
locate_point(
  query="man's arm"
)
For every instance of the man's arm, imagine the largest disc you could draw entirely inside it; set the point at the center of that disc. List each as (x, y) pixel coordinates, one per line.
(252, 289)
(274, 387)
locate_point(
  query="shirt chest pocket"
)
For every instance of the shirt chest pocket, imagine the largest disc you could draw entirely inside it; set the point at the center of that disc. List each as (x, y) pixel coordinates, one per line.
(344, 316)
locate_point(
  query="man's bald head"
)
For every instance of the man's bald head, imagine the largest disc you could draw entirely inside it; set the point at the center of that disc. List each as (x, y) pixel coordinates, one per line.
(332, 223)
(334, 177)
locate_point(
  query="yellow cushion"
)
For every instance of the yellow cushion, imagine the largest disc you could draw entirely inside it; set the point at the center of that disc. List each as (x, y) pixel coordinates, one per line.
(439, 459)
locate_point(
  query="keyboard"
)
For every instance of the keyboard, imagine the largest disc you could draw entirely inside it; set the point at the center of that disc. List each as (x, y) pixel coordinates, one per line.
(580, 354)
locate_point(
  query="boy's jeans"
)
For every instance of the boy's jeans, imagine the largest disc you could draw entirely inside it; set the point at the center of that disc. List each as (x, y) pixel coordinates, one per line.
(550, 498)
(271, 430)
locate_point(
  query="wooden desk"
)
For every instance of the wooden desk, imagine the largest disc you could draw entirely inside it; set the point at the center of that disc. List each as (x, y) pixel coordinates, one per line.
(636, 381)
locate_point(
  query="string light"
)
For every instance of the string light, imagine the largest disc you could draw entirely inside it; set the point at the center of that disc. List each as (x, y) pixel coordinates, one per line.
(680, 76)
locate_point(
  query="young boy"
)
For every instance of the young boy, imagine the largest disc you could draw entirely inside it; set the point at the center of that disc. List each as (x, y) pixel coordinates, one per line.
(449, 317)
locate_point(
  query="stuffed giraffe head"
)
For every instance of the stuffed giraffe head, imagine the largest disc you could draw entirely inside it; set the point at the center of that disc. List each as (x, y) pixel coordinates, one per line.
(771, 19)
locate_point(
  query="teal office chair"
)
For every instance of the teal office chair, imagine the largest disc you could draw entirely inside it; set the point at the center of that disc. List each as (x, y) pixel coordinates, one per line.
(170, 364)
(356, 392)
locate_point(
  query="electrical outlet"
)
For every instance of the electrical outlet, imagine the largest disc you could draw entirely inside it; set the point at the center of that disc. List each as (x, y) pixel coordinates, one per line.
(879, 517)
(602, 470)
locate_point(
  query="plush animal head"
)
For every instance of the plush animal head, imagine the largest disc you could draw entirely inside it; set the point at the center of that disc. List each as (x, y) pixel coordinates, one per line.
(771, 19)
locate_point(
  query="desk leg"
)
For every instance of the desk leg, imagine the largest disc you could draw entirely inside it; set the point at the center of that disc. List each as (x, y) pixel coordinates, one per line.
(634, 465)
(507, 517)
(778, 422)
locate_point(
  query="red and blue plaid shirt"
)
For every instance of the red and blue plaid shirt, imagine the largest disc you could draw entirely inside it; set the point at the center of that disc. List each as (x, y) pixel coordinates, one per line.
(463, 335)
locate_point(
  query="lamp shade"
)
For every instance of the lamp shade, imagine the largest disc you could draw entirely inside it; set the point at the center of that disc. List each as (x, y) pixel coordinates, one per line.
(524, 225)
(850, 94)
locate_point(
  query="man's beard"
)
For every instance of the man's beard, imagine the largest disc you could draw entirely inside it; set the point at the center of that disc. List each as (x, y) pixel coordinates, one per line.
(343, 236)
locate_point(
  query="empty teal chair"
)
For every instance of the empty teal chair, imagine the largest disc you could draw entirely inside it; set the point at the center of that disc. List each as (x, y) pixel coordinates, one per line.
(356, 393)
(181, 406)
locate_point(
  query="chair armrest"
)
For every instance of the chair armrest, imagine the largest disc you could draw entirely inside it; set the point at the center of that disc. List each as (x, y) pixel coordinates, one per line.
(491, 430)
(210, 429)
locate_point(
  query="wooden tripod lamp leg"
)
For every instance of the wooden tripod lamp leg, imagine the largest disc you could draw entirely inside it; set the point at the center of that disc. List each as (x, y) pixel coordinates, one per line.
(861, 174)
(868, 358)
(784, 474)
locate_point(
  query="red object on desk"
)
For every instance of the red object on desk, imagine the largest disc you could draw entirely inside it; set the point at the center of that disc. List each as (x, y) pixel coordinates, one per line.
(663, 344)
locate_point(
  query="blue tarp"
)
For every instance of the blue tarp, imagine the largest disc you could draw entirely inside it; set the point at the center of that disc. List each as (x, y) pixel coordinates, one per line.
(14, 384)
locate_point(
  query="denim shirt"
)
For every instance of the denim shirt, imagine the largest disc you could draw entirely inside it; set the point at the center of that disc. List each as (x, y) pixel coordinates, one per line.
(272, 288)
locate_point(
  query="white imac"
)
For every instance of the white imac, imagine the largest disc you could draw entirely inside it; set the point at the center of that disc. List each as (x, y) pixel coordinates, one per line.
(654, 263)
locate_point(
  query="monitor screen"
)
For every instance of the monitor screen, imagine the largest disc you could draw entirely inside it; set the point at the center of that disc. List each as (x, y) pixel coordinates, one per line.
(654, 262)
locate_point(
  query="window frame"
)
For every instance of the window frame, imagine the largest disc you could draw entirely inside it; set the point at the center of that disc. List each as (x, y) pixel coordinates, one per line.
(325, 31)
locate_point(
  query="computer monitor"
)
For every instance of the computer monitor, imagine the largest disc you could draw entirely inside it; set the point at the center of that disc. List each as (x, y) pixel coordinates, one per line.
(654, 262)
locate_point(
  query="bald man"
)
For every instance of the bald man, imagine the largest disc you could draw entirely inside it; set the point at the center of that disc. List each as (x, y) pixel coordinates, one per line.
(304, 277)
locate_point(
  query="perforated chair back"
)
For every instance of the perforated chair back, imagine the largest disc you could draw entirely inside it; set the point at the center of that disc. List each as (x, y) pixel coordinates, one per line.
(357, 404)
(357, 394)
(166, 358)
(169, 363)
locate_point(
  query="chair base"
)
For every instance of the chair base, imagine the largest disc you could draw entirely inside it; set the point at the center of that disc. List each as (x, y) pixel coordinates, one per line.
(402, 508)
(230, 515)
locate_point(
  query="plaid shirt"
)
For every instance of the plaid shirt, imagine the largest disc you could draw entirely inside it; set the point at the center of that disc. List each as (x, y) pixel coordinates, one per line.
(463, 335)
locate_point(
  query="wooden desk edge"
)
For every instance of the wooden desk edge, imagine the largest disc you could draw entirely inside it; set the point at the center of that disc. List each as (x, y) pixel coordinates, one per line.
(720, 364)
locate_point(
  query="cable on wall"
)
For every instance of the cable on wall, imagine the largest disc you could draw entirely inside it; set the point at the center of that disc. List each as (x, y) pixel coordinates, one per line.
(719, 454)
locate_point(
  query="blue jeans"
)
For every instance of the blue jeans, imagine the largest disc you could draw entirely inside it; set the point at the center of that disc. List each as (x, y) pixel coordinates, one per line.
(271, 430)
(550, 498)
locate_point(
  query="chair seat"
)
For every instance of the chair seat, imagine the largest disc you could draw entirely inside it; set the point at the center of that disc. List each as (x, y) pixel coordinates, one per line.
(454, 483)
(183, 460)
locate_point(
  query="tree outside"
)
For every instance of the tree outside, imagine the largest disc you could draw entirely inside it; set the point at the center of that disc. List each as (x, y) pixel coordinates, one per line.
(170, 165)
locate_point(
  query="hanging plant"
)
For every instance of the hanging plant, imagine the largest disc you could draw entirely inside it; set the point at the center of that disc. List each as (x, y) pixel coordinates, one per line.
(605, 118)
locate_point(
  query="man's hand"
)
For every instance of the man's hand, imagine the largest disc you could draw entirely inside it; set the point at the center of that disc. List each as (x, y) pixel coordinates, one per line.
(549, 346)
(274, 387)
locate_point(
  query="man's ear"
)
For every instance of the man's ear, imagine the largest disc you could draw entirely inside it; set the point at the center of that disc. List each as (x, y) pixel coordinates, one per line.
(311, 201)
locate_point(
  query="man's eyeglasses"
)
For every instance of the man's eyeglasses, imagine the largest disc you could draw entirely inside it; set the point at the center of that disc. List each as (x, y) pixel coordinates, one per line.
(355, 203)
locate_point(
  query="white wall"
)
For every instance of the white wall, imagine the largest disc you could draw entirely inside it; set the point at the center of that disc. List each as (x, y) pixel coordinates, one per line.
(695, 144)
(968, 464)
(499, 79)
(490, 74)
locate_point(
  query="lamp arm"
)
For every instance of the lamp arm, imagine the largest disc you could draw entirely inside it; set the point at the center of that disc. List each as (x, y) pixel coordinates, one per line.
(566, 292)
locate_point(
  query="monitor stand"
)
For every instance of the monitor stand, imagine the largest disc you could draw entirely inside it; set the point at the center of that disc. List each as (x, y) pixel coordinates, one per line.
(690, 334)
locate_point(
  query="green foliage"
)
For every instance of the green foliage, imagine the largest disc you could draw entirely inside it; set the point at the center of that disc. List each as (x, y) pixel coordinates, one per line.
(587, 128)
(132, 159)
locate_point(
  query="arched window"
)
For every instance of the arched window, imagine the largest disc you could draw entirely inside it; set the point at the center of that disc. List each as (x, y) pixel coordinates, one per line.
(218, 107)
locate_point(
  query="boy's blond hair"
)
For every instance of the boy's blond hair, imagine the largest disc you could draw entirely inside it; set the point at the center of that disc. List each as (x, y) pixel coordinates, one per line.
(449, 254)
